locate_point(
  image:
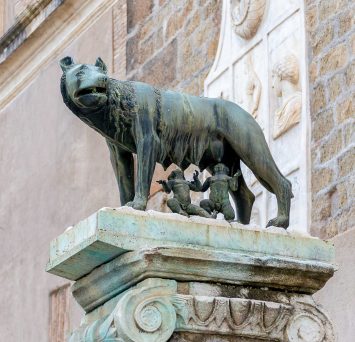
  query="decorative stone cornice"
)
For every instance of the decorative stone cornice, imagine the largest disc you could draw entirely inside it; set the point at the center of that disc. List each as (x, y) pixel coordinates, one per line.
(153, 310)
(189, 264)
(36, 52)
(28, 21)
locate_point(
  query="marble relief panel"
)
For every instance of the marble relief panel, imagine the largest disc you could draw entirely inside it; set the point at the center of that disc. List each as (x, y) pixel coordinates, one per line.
(265, 76)
(285, 100)
(278, 8)
(257, 211)
(248, 82)
(294, 177)
(220, 87)
(247, 16)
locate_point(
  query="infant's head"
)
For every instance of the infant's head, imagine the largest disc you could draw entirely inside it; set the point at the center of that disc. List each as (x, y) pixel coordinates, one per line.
(176, 174)
(221, 168)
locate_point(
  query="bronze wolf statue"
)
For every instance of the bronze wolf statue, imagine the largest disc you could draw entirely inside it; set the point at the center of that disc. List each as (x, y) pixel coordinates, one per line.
(169, 127)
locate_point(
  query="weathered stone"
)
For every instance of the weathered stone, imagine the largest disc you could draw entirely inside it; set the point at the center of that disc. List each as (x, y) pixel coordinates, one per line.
(163, 273)
(346, 21)
(335, 85)
(313, 71)
(153, 309)
(335, 59)
(175, 23)
(342, 195)
(192, 24)
(187, 264)
(345, 110)
(350, 74)
(109, 233)
(322, 124)
(321, 208)
(161, 70)
(321, 179)
(312, 18)
(347, 219)
(132, 50)
(318, 99)
(336, 296)
(348, 134)
(137, 11)
(331, 147)
(329, 8)
(347, 162)
(320, 39)
(331, 74)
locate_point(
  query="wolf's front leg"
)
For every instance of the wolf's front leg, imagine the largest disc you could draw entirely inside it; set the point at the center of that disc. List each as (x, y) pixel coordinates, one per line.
(146, 159)
(123, 166)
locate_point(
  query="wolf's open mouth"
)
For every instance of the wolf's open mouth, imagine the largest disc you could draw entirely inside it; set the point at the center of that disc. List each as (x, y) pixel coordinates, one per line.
(91, 90)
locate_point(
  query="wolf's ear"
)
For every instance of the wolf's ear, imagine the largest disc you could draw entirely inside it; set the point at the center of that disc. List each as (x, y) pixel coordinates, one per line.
(66, 63)
(101, 64)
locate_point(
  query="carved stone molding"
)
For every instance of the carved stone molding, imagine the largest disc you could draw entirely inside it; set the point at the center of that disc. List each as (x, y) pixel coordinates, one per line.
(183, 264)
(153, 310)
(234, 316)
(27, 22)
(247, 16)
(17, 71)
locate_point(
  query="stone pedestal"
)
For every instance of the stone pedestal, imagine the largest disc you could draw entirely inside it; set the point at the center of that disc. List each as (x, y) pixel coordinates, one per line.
(153, 277)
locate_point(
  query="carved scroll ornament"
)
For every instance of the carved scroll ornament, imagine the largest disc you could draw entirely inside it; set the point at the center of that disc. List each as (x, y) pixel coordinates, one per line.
(153, 310)
(247, 16)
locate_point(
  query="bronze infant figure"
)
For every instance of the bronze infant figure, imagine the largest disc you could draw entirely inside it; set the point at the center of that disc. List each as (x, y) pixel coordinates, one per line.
(170, 127)
(219, 184)
(181, 202)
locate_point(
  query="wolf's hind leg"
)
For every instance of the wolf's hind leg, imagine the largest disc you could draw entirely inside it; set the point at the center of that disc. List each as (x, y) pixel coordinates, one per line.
(283, 192)
(244, 200)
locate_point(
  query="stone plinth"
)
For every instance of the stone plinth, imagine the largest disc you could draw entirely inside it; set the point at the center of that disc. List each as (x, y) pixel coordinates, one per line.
(148, 276)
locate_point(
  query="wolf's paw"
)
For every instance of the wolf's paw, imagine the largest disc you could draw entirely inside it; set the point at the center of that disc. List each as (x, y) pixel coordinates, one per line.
(137, 204)
(280, 221)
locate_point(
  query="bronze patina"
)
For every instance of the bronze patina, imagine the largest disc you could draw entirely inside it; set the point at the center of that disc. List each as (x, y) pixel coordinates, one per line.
(170, 127)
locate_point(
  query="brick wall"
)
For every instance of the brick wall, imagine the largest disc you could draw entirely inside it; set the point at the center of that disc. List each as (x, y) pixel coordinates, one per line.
(172, 44)
(331, 46)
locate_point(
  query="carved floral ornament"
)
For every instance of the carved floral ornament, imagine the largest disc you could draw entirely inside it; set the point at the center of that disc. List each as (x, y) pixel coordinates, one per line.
(247, 16)
(152, 312)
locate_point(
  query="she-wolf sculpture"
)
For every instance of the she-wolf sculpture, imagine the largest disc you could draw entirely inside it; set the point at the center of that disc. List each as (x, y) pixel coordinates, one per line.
(170, 127)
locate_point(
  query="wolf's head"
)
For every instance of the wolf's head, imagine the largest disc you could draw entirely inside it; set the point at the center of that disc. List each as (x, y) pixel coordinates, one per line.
(83, 84)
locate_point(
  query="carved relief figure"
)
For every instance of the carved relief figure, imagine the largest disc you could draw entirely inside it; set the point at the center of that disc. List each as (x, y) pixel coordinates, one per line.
(285, 76)
(253, 87)
(247, 16)
(220, 184)
(181, 202)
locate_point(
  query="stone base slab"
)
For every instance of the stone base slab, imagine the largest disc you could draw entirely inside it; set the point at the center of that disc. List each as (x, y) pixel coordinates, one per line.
(112, 232)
